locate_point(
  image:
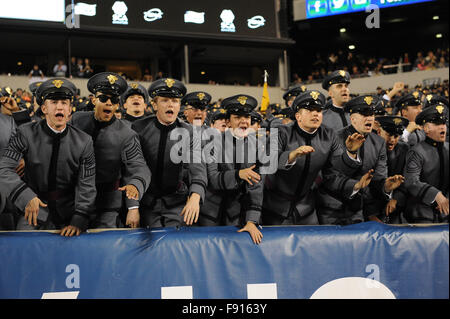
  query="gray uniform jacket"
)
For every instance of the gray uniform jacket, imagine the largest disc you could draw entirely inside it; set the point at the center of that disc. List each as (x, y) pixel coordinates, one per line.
(335, 118)
(230, 196)
(159, 149)
(288, 191)
(426, 174)
(7, 129)
(372, 155)
(119, 160)
(59, 169)
(416, 137)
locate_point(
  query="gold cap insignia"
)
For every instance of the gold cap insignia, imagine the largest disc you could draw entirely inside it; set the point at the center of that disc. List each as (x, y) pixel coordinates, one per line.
(440, 109)
(28, 104)
(38, 84)
(222, 111)
(314, 95)
(368, 100)
(169, 82)
(201, 96)
(415, 94)
(112, 79)
(57, 83)
(397, 121)
(429, 97)
(8, 89)
(303, 88)
(134, 86)
(242, 100)
(342, 73)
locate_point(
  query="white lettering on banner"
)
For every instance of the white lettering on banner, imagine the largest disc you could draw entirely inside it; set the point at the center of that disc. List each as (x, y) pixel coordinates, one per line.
(342, 288)
(73, 280)
(60, 295)
(177, 292)
(352, 288)
(262, 291)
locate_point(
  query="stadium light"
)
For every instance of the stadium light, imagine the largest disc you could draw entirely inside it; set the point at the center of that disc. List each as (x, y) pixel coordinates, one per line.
(351, 47)
(343, 30)
(436, 18)
(439, 35)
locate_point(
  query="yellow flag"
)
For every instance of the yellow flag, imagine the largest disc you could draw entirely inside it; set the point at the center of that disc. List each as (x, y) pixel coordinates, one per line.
(265, 97)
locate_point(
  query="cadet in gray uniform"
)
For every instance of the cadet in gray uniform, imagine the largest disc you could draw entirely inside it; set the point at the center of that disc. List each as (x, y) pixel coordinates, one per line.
(118, 154)
(336, 84)
(195, 104)
(218, 120)
(134, 101)
(390, 128)
(235, 191)
(169, 201)
(7, 129)
(410, 106)
(305, 148)
(426, 172)
(371, 153)
(58, 191)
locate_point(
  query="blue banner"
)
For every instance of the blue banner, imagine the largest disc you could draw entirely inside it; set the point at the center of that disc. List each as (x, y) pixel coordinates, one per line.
(367, 260)
(323, 8)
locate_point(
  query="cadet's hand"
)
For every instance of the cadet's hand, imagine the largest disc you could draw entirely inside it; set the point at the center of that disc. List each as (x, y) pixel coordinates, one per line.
(69, 231)
(390, 207)
(254, 232)
(32, 210)
(398, 86)
(364, 181)
(192, 209)
(298, 152)
(354, 142)
(133, 218)
(131, 191)
(412, 126)
(248, 175)
(20, 169)
(393, 182)
(442, 203)
(10, 104)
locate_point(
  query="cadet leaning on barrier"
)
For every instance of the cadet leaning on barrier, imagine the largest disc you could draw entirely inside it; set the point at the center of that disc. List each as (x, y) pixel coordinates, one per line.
(427, 169)
(59, 192)
(118, 154)
(168, 200)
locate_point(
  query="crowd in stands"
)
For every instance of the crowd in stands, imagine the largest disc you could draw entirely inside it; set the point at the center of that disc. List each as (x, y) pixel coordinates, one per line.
(361, 65)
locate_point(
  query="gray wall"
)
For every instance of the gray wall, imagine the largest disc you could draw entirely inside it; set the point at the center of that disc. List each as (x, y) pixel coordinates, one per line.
(364, 85)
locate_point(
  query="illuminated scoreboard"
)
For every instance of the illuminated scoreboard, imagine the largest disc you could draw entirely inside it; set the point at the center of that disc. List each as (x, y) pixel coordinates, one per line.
(235, 18)
(323, 8)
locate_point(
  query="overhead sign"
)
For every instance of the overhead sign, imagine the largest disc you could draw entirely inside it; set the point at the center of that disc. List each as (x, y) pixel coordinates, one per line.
(323, 8)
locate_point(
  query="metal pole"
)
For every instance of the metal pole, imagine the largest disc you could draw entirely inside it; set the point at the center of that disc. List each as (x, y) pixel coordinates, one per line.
(186, 64)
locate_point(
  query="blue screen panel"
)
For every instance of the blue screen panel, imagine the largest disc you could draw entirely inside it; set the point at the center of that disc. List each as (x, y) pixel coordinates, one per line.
(323, 8)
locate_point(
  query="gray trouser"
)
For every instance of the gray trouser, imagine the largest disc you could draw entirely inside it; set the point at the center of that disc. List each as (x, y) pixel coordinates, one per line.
(161, 216)
(106, 220)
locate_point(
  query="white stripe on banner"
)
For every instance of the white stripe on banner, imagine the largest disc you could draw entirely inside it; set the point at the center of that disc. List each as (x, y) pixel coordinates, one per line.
(262, 291)
(176, 292)
(60, 295)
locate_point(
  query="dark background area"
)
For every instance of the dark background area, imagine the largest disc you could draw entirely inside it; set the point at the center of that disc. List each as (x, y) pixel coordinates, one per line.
(408, 28)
